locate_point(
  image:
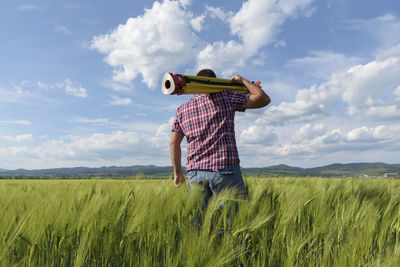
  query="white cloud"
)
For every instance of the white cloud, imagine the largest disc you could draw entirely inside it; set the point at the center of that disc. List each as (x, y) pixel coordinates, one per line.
(315, 145)
(257, 134)
(162, 37)
(18, 138)
(197, 23)
(222, 57)
(368, 91)
(42, 85)
(12, 155)
(397, 91)
(110, 146)
(185, 3)
(308, 132)
(364, 86)
(19, 88)
(98, 149)
(72, 88)
(361, 134)
(219, 13)
(258, 146)
(363, 138)
(119, 101)
(310, 105)
(256, 24)
(158, 41)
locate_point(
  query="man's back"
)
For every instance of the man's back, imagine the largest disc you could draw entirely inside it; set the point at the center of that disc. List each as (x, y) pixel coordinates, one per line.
(207, 121)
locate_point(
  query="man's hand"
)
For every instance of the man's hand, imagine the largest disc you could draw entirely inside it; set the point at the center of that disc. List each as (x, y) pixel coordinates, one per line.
(179, 179)
(237, 79)
(258, 98)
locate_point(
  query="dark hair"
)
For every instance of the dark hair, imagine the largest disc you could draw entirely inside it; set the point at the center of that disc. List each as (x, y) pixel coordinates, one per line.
(207, 73)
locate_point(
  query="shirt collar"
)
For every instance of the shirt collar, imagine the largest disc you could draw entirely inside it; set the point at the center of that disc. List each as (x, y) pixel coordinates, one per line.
(200, 96)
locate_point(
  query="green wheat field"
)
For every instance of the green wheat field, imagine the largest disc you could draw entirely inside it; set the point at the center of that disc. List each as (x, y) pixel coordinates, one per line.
(284, 222)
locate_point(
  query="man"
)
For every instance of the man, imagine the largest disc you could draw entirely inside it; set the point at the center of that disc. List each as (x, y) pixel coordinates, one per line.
(207, 121)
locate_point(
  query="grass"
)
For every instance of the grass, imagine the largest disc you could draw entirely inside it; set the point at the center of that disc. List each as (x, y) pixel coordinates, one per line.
(285, 222)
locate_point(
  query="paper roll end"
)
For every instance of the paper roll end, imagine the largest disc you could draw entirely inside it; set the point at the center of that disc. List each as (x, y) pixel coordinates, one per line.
(168, 84)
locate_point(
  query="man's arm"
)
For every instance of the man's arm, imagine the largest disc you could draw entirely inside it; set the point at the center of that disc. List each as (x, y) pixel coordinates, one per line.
(258, 98)
(175, 147)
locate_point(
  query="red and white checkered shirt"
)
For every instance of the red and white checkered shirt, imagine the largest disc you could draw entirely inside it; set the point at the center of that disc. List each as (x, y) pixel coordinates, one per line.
(207, 121)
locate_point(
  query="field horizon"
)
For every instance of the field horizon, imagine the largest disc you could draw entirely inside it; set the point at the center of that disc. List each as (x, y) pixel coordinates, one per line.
(282, 170)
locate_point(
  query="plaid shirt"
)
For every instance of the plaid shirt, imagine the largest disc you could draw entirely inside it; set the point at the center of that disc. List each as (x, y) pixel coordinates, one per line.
(208, 124)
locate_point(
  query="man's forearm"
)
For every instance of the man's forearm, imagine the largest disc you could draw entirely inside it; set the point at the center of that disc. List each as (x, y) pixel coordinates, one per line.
(176, 158)
(253, 89)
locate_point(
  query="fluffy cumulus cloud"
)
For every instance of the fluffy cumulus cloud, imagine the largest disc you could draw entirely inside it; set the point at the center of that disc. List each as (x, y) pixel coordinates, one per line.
(369, 91)
(382, 137)
(197, 23)
(96, 146)
(310, 105)
(124, 147)
(365, 87)
(256, 25)
(158, 41)
(308, 132)
(319, 143)
(164, 38)
(257, 134)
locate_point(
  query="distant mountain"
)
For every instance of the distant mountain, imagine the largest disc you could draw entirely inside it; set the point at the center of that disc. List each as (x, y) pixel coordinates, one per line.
(112, 171)
(333, 170)
(151, 171)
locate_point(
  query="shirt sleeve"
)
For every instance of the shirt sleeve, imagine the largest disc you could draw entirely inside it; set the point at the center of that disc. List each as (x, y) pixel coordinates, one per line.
(176, 126)
(238, 100)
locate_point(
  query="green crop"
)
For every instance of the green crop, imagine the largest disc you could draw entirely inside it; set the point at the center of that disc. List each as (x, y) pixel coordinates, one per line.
(284, 222)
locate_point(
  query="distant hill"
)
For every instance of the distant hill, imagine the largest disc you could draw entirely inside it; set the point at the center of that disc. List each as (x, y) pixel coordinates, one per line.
(333, 170)
(113, 171)
(151, 171)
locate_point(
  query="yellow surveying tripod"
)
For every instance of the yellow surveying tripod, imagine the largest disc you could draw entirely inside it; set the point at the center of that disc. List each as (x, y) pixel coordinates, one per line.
(179, 84)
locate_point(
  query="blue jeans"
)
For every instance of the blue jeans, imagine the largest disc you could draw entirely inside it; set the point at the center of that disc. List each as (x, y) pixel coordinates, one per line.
(213, 182)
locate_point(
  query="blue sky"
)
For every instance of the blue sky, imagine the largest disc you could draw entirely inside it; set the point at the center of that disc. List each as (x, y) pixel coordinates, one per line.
(80, 81)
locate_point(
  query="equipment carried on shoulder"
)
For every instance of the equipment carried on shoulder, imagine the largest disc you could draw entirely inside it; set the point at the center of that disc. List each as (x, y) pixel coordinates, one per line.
(178, 84)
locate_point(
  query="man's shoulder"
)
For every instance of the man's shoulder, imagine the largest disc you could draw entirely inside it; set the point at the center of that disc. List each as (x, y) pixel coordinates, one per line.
(186, 104)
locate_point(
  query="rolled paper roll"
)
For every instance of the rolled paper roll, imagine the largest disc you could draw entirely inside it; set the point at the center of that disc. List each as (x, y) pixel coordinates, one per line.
(186, 84)
(167, 85)
(172, 83)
